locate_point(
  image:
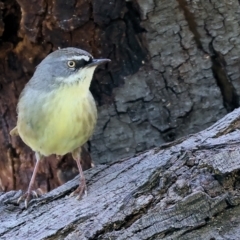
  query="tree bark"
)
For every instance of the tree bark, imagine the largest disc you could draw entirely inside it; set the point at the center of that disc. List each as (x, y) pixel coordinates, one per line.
(174, 71)
(186, 189)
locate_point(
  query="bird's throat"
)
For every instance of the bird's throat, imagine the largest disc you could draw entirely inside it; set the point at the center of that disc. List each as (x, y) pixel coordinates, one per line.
(80, 79)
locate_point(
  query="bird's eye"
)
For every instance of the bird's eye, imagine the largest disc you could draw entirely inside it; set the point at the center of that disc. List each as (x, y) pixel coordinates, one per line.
(71, 64)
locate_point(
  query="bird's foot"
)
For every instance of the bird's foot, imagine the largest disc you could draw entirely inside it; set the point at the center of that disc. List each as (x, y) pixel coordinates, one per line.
(80, 191)
(28, 196)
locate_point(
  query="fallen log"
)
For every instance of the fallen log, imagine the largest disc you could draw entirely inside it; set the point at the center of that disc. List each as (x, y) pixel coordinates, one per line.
(186, 189)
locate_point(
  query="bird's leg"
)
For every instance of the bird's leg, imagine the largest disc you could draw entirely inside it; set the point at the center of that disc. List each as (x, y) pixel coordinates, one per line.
(27, 196)
(82, 188)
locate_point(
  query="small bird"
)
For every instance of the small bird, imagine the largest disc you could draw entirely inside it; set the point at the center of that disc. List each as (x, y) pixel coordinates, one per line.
(56, 111)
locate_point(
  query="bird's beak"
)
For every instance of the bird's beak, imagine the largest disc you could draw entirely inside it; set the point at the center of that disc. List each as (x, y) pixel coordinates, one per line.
(97, 62)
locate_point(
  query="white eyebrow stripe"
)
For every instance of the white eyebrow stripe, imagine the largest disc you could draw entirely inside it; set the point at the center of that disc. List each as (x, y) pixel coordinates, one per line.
(84, 57)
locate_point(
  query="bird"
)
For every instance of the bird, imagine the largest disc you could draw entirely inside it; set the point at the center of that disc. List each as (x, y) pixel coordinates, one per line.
(56, 112)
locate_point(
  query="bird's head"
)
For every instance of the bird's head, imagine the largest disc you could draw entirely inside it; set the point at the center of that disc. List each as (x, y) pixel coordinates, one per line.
(67, 66)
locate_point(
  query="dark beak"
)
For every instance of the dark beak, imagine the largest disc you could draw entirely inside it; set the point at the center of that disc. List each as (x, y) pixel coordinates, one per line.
(96, 62)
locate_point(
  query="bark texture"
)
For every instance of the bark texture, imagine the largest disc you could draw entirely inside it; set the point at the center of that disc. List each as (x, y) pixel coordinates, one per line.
(187, 189)
(174, 71)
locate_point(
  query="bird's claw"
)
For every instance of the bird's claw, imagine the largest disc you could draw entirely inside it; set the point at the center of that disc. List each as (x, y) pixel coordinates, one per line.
(80, 191)
(28, 196)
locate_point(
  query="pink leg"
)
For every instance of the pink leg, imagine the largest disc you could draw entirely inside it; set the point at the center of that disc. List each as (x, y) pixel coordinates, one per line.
(29, 193)
(82, 185)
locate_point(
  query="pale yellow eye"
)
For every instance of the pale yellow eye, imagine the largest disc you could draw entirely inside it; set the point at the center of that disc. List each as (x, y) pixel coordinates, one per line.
(71, 64)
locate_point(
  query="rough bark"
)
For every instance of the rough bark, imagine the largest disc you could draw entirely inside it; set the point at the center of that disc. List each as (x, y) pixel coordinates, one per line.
(174, 71)
(30, 30)
(187, 189)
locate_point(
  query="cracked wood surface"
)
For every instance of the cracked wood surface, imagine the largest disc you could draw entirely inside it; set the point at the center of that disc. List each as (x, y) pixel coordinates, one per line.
(187, 189)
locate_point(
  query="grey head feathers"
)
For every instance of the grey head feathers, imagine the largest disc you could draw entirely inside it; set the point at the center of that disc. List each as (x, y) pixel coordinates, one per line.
(69, 54)
(55, 66)
(66, 66)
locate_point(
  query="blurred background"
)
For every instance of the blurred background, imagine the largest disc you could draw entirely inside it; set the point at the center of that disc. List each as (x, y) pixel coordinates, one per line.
(175, 70)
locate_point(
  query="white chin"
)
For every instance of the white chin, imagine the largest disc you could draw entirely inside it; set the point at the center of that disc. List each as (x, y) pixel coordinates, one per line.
(83, 77)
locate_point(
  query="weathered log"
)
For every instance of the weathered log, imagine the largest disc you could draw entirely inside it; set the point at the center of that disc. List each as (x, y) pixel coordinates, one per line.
(186, 189)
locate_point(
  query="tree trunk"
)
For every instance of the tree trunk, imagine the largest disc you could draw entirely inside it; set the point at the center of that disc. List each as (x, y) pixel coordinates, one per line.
(174, 71)
(187, 189)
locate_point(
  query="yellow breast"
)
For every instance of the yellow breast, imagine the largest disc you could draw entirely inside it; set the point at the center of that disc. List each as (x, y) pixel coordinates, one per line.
(60, 122)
